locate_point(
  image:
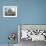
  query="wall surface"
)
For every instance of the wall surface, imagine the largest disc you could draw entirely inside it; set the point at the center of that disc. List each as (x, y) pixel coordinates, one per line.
(7, 25)
(29, 12)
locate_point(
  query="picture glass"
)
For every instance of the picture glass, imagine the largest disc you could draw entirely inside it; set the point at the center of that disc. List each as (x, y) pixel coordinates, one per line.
(10, 11)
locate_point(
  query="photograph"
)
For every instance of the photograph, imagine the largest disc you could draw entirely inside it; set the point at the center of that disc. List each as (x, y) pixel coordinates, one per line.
(9, 11)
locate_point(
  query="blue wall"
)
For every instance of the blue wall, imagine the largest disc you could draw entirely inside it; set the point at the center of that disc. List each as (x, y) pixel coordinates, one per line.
(29, 12)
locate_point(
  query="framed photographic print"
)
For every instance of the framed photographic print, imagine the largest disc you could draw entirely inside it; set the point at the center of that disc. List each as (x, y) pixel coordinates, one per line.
(9, 11)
